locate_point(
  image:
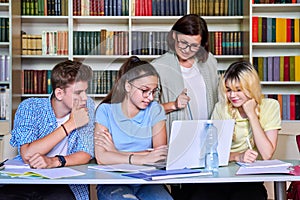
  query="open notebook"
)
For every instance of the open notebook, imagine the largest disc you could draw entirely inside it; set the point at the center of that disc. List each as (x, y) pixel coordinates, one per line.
(187, 150)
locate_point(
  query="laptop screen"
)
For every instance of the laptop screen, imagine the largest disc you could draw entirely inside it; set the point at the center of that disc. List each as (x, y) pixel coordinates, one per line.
(187, 143)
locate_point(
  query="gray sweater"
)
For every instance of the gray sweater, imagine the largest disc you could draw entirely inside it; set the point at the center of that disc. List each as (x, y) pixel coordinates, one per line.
(172, 84)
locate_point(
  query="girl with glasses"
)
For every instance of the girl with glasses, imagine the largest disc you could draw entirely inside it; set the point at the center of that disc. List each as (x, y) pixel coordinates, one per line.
(128, 123)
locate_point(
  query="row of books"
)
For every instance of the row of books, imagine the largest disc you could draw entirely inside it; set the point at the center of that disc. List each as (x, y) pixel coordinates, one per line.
(36, 82)
(278, 68)
(4, 1)
(101, 42)
(44, 7)
(102, 81)
(105, 42)
(226, 43)
(4, 101)
(149, 43)
(48, 43)
(159, 7)
(274, 1)
(289, 105)
(4, 29)
(217, 7)
(4, 68)
(100, 7)
(265, 29)
(39, 81)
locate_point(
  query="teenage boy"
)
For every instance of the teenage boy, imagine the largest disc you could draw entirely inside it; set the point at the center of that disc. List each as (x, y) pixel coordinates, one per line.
(55, 132)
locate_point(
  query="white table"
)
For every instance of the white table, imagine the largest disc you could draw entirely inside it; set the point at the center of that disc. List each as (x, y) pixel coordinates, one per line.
(226, 175)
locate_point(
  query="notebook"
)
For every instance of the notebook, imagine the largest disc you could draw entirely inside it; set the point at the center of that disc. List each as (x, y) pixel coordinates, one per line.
(184, 144)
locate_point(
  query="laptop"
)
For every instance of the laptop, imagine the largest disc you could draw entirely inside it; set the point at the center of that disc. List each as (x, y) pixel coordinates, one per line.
(186, 149)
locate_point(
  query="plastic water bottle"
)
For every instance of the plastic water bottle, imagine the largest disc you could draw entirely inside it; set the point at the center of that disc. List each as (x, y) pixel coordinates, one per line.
(211, 155)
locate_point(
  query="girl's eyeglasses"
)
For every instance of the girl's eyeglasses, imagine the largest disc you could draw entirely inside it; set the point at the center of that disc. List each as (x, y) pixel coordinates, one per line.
(147, 92)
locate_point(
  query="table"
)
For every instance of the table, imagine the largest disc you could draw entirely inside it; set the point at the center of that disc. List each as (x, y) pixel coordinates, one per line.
(226, 175)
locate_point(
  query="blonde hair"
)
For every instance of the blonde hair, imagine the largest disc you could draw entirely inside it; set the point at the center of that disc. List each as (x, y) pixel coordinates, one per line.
(244, 74)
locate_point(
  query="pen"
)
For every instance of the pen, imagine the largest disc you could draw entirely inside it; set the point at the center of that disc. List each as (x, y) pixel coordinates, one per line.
(2, 163)
(249, 143)
(189, 109)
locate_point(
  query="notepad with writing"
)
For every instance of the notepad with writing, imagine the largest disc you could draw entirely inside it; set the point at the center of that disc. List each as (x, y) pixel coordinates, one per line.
(266, 167)
(167, 174)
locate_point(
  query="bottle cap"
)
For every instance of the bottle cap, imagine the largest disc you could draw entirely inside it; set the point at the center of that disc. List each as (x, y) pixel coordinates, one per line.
(209, 121)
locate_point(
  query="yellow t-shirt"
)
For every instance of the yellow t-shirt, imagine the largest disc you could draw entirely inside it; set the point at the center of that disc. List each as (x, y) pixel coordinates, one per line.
(269, 118)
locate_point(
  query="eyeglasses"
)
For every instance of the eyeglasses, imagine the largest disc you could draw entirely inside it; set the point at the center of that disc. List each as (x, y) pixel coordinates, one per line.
(146, 92)
(184, 45)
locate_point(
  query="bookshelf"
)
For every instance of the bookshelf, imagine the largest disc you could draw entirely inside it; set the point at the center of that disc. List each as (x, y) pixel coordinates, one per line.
(8, 47)
(236, 19)
(287, 48)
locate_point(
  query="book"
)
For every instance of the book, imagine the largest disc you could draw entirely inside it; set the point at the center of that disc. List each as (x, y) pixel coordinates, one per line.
(160, 174)
(297, 68)
(280, 30)
(265, 167)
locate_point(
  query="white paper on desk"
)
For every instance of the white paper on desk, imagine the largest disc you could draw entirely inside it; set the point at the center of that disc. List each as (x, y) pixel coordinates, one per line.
(265, 167)
(121, 168)
(267, 170)
(265, 164)
(52, 173)
(16, 164)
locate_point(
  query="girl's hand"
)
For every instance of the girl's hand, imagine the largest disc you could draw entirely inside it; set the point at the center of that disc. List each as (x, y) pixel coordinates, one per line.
(155, 155)
(248, 156)
(103, 138)
(250, 107)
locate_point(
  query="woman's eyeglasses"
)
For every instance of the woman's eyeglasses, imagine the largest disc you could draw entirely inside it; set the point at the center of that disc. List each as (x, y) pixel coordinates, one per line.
(147, 92)
(183, 45)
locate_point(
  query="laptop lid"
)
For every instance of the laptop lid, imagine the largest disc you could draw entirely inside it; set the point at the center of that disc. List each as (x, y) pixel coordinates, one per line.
(186, 149)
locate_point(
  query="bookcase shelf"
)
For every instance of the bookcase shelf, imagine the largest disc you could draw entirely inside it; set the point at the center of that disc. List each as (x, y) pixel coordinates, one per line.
(275, 8)
(284, 52)
(44, 19)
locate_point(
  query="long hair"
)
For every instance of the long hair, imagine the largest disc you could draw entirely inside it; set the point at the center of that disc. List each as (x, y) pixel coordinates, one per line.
(131, 70)
(243, 73)
(191, 24)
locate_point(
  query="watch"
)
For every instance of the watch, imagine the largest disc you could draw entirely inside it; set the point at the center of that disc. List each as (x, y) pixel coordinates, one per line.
(62, 160)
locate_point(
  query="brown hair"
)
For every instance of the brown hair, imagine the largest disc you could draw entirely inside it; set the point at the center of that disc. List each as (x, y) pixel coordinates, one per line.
(191, 24)
(68, 72)
(131, 70)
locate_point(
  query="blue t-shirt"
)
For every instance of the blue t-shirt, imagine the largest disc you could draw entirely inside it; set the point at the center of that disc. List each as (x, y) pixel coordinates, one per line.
(130, 134)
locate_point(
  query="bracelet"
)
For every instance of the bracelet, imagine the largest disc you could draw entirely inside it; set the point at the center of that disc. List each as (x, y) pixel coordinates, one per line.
(63, 126)
(129, 158)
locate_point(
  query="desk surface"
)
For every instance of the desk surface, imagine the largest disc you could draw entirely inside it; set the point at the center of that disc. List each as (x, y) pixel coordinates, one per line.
(226, 174)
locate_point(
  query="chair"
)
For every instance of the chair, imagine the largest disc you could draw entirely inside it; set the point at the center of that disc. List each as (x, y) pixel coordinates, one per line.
(293, 191)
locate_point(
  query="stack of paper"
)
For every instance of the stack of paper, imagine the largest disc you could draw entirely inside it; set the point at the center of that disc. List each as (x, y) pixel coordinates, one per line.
(167, 174)
(265, 167)
(17, 168)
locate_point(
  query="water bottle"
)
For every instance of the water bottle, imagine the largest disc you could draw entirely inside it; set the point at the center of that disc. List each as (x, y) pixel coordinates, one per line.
(211, 155)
